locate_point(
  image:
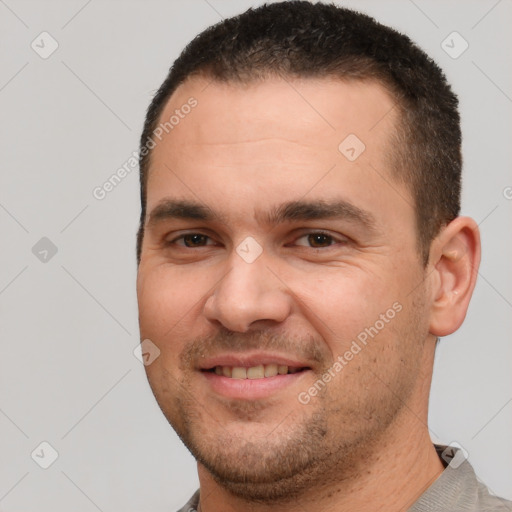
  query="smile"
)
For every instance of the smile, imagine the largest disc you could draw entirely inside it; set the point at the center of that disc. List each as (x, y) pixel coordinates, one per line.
(260, 371)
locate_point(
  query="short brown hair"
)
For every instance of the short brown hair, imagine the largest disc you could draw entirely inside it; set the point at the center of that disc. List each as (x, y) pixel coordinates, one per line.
(302, 39)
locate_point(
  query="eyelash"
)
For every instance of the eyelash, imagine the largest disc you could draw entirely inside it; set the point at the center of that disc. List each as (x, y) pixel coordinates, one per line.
(334, 240)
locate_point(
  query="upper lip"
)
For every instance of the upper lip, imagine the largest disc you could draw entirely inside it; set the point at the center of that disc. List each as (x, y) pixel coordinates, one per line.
(250, 359)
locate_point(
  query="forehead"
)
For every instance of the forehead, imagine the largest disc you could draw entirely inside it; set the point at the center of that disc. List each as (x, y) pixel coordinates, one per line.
(272, 141)
(321, 109)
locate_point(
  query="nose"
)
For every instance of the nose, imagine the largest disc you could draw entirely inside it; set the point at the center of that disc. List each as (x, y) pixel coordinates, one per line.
(248, 294)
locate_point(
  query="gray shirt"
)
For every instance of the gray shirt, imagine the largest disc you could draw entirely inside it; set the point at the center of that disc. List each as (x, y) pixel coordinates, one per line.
(457, 489)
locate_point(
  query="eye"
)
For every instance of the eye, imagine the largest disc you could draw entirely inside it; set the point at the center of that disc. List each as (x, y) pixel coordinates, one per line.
(316, 240)
(193, 240)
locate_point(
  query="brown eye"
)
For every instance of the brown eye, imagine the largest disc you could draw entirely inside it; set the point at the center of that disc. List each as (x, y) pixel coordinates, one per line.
(195, 240)
(320, 240)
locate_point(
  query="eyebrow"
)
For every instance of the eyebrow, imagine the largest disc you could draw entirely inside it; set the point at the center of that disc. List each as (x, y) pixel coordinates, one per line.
(180, 209)
(320, 209)
(290, 211)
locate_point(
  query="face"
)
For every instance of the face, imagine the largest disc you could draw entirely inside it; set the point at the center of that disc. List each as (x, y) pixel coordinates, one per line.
(281, 281)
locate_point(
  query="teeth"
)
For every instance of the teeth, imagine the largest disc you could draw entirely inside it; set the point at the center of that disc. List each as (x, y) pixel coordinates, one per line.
(238, 373)
(255, 372)
(270, 370)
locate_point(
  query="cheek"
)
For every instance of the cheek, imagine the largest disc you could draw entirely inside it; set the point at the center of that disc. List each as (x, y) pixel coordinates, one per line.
(166, 302)
(341, 306)
(164, 306)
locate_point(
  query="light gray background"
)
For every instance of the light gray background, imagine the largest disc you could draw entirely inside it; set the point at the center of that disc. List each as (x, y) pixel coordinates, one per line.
(68, 327)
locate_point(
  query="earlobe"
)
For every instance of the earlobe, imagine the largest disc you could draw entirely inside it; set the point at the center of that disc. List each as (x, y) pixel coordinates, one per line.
(455, 257)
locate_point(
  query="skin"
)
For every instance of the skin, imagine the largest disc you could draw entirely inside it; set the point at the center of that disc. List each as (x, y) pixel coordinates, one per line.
(362, 443)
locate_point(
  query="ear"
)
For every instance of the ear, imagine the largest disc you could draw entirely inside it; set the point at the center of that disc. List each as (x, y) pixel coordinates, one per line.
(454, 261)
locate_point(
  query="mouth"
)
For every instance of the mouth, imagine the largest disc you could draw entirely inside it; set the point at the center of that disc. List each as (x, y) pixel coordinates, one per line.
(251, 376)
(261, 371)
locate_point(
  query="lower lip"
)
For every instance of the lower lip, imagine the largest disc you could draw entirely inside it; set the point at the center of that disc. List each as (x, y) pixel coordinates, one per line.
(251, 389)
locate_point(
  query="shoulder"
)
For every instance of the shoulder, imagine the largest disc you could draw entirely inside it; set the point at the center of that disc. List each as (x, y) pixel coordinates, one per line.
(458, 488)
(192, 503)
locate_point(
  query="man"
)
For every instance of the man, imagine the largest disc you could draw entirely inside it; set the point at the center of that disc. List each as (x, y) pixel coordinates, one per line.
(300, 252)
